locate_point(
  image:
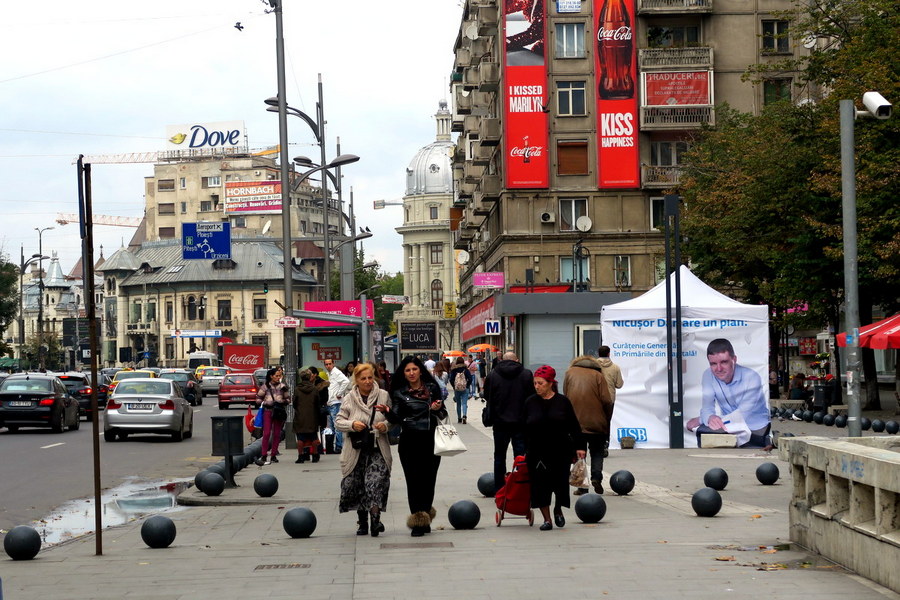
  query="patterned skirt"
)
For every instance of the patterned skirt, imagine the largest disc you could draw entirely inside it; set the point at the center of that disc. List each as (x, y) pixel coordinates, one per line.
(367, 485)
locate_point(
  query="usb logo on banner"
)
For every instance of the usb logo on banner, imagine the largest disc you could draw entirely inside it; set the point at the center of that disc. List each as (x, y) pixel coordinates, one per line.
(638, 433)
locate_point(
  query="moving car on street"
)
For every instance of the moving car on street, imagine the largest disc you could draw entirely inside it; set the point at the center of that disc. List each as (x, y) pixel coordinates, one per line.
(37, 400)
(211, 377)
(148, 405)
(190, 387)
(237, 387)
(80, 387)
(123, 375)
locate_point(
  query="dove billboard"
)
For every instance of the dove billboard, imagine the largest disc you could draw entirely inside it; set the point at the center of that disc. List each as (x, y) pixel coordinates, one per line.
(206, 136)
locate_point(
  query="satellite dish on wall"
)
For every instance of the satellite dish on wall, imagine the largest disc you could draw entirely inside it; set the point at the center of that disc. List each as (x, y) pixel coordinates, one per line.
(265, 228)
(583, 223)
(462, 257)
(471, 31)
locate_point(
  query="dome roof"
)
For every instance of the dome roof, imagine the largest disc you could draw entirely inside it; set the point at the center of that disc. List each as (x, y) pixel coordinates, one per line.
(430, 170)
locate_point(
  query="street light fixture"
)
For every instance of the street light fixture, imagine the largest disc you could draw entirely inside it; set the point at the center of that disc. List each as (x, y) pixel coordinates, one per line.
(40, 254)
(23, 264)
(364, 327)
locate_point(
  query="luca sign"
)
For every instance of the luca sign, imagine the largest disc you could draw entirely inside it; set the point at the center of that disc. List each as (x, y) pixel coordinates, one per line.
(418, 336)
(205, 136)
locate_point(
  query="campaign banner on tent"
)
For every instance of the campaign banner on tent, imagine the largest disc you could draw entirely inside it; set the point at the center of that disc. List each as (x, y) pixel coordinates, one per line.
(725, 347)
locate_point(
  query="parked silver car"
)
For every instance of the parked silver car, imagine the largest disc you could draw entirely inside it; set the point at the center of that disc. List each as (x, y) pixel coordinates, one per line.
(148, 406)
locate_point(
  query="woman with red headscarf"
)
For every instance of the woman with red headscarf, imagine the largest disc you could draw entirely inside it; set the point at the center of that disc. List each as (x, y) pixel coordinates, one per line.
(552, 441)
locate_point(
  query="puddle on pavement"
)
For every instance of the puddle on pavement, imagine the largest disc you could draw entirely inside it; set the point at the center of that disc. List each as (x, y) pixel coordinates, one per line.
(119, 505)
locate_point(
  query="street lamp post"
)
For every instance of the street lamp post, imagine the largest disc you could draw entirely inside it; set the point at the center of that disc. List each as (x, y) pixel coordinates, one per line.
(364, 326)
(40, 324)
(23, 264)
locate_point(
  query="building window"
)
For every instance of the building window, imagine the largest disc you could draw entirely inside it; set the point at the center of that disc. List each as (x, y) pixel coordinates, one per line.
(776, 90)
(170, 311)
(775, 38)
(570, 98)
(165, 185)
(239, 222)
(622, 271)
(572, 157)
(667, 153)
(437, 295)
(166, 233)
(182, 183)
(673, 37)
(135, 316)
(191, 308)
(223, 310)
(437, 253)
(150, 313)
(658, 213)
(170, 349)
(580, 273)
(260, 340)
(183, 207)
(570, 40)
(569, 211)
(167, 209)
(213, 181)
(206, 205)
(259, 309)
(433, 212)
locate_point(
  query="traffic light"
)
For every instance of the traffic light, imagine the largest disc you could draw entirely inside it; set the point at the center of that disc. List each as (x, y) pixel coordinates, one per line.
(266, 287)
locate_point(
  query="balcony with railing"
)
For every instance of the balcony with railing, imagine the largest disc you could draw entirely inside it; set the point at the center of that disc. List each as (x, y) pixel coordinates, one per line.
(676, 117)
(675, 58)
(660, 177)
(661, 7)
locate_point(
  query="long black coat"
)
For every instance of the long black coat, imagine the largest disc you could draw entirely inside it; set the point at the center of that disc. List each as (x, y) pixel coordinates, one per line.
(552, 435)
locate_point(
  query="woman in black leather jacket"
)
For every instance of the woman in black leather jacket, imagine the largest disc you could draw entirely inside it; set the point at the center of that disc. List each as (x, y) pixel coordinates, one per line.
(417, 406)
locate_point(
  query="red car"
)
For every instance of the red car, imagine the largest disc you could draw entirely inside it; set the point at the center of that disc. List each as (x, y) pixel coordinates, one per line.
(237, 388)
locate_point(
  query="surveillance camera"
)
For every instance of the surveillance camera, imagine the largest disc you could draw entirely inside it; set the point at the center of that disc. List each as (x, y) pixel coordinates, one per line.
(877, 105)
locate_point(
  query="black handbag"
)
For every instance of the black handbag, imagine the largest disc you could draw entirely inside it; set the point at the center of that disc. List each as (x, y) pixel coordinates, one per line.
(365, 438)
(279, 412)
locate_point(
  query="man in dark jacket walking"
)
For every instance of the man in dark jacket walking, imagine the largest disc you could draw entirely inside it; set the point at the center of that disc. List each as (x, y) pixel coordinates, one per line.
(505, 390)
(586, 388)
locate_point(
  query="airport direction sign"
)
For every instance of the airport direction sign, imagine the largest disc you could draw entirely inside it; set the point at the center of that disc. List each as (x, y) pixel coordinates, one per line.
(208, 241)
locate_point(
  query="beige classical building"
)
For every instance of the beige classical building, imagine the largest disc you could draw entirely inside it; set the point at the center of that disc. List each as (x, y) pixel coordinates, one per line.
(579, 234)
(430, 266)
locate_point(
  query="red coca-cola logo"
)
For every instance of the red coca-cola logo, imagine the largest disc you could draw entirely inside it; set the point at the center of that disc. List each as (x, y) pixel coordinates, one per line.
(527, 151)
(622, 33)
(244, 358)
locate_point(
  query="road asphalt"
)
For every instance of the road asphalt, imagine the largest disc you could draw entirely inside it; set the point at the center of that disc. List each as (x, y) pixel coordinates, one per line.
(649, 545)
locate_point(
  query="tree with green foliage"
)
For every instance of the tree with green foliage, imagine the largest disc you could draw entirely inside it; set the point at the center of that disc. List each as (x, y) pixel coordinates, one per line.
(9, 300)
(365, 278)
(763, 193)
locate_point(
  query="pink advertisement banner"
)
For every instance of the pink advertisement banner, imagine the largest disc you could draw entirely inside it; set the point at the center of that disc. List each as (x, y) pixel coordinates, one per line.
(352, 308)
(493, 279)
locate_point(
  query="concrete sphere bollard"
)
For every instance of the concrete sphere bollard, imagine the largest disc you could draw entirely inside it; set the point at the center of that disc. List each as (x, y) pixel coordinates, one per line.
(716, 479)
(828, 420)
(486, 485)
(706, 502)
(22, 543)
(892, 427)
(865, 423)
(212, 484)
(217, 468)
(299, 522)
(464, 514)
(158, 531)
(622, 482)
(199, 477)
(878, 425)
(840, 421)
(808, 416)
(767, 473)
(818, 416)
(799, 413)
(590, 508)
(265, 485)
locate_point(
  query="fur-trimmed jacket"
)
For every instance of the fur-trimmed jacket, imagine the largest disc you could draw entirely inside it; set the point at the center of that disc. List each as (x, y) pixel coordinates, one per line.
(354, 408)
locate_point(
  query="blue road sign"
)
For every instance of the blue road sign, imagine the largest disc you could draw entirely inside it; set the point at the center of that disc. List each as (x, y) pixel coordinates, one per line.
(205, 241)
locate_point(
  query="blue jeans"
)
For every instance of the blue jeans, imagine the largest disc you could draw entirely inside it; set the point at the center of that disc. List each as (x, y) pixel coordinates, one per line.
(461, 398)
(473, 387)
(333, 410)
(502, 439)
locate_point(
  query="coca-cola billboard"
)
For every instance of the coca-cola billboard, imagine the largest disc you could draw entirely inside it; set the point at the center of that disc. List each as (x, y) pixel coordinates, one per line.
(525, 95)
(244, 357)
(617, 106)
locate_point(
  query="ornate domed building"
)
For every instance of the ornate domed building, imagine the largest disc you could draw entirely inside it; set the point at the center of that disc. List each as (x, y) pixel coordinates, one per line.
(429, 269)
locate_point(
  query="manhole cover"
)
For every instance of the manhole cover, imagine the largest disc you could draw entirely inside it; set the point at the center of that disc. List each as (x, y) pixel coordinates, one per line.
(425, 545)
(281, 566)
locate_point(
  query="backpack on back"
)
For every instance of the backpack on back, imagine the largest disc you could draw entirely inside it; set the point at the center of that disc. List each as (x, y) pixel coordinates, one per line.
(459, 382)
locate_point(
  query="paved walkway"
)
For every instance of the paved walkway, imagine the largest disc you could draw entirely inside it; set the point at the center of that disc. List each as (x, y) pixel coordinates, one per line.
(650, 545)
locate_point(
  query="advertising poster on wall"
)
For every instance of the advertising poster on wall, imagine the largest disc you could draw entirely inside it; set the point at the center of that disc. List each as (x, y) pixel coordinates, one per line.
(676, 88)
(415, 336)
(314, 348)
(617, 106)
(247, 197)
(525, 95)
(724, 358)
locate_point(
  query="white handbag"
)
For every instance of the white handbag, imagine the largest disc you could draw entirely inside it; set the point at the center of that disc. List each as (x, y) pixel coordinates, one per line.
(446, 440)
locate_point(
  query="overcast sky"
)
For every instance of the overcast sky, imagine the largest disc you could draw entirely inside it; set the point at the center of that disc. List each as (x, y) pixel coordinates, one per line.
(107, 77)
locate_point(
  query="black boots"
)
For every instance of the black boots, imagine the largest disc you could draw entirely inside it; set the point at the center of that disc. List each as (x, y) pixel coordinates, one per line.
(363, 522)
(377, 525)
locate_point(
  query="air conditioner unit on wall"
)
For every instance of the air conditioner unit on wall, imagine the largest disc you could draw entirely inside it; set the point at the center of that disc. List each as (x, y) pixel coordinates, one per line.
(548, 217)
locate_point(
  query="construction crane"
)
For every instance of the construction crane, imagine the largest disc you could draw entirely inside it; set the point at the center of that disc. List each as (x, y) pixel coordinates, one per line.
(64, 218)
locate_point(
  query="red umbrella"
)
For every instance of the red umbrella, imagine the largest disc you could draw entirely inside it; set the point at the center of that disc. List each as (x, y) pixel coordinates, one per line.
(880, 335)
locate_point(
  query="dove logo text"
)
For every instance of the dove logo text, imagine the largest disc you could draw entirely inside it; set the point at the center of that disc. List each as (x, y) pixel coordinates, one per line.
(201, 137)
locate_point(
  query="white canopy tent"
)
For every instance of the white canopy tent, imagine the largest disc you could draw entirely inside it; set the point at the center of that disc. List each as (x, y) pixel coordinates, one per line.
(635, 330)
